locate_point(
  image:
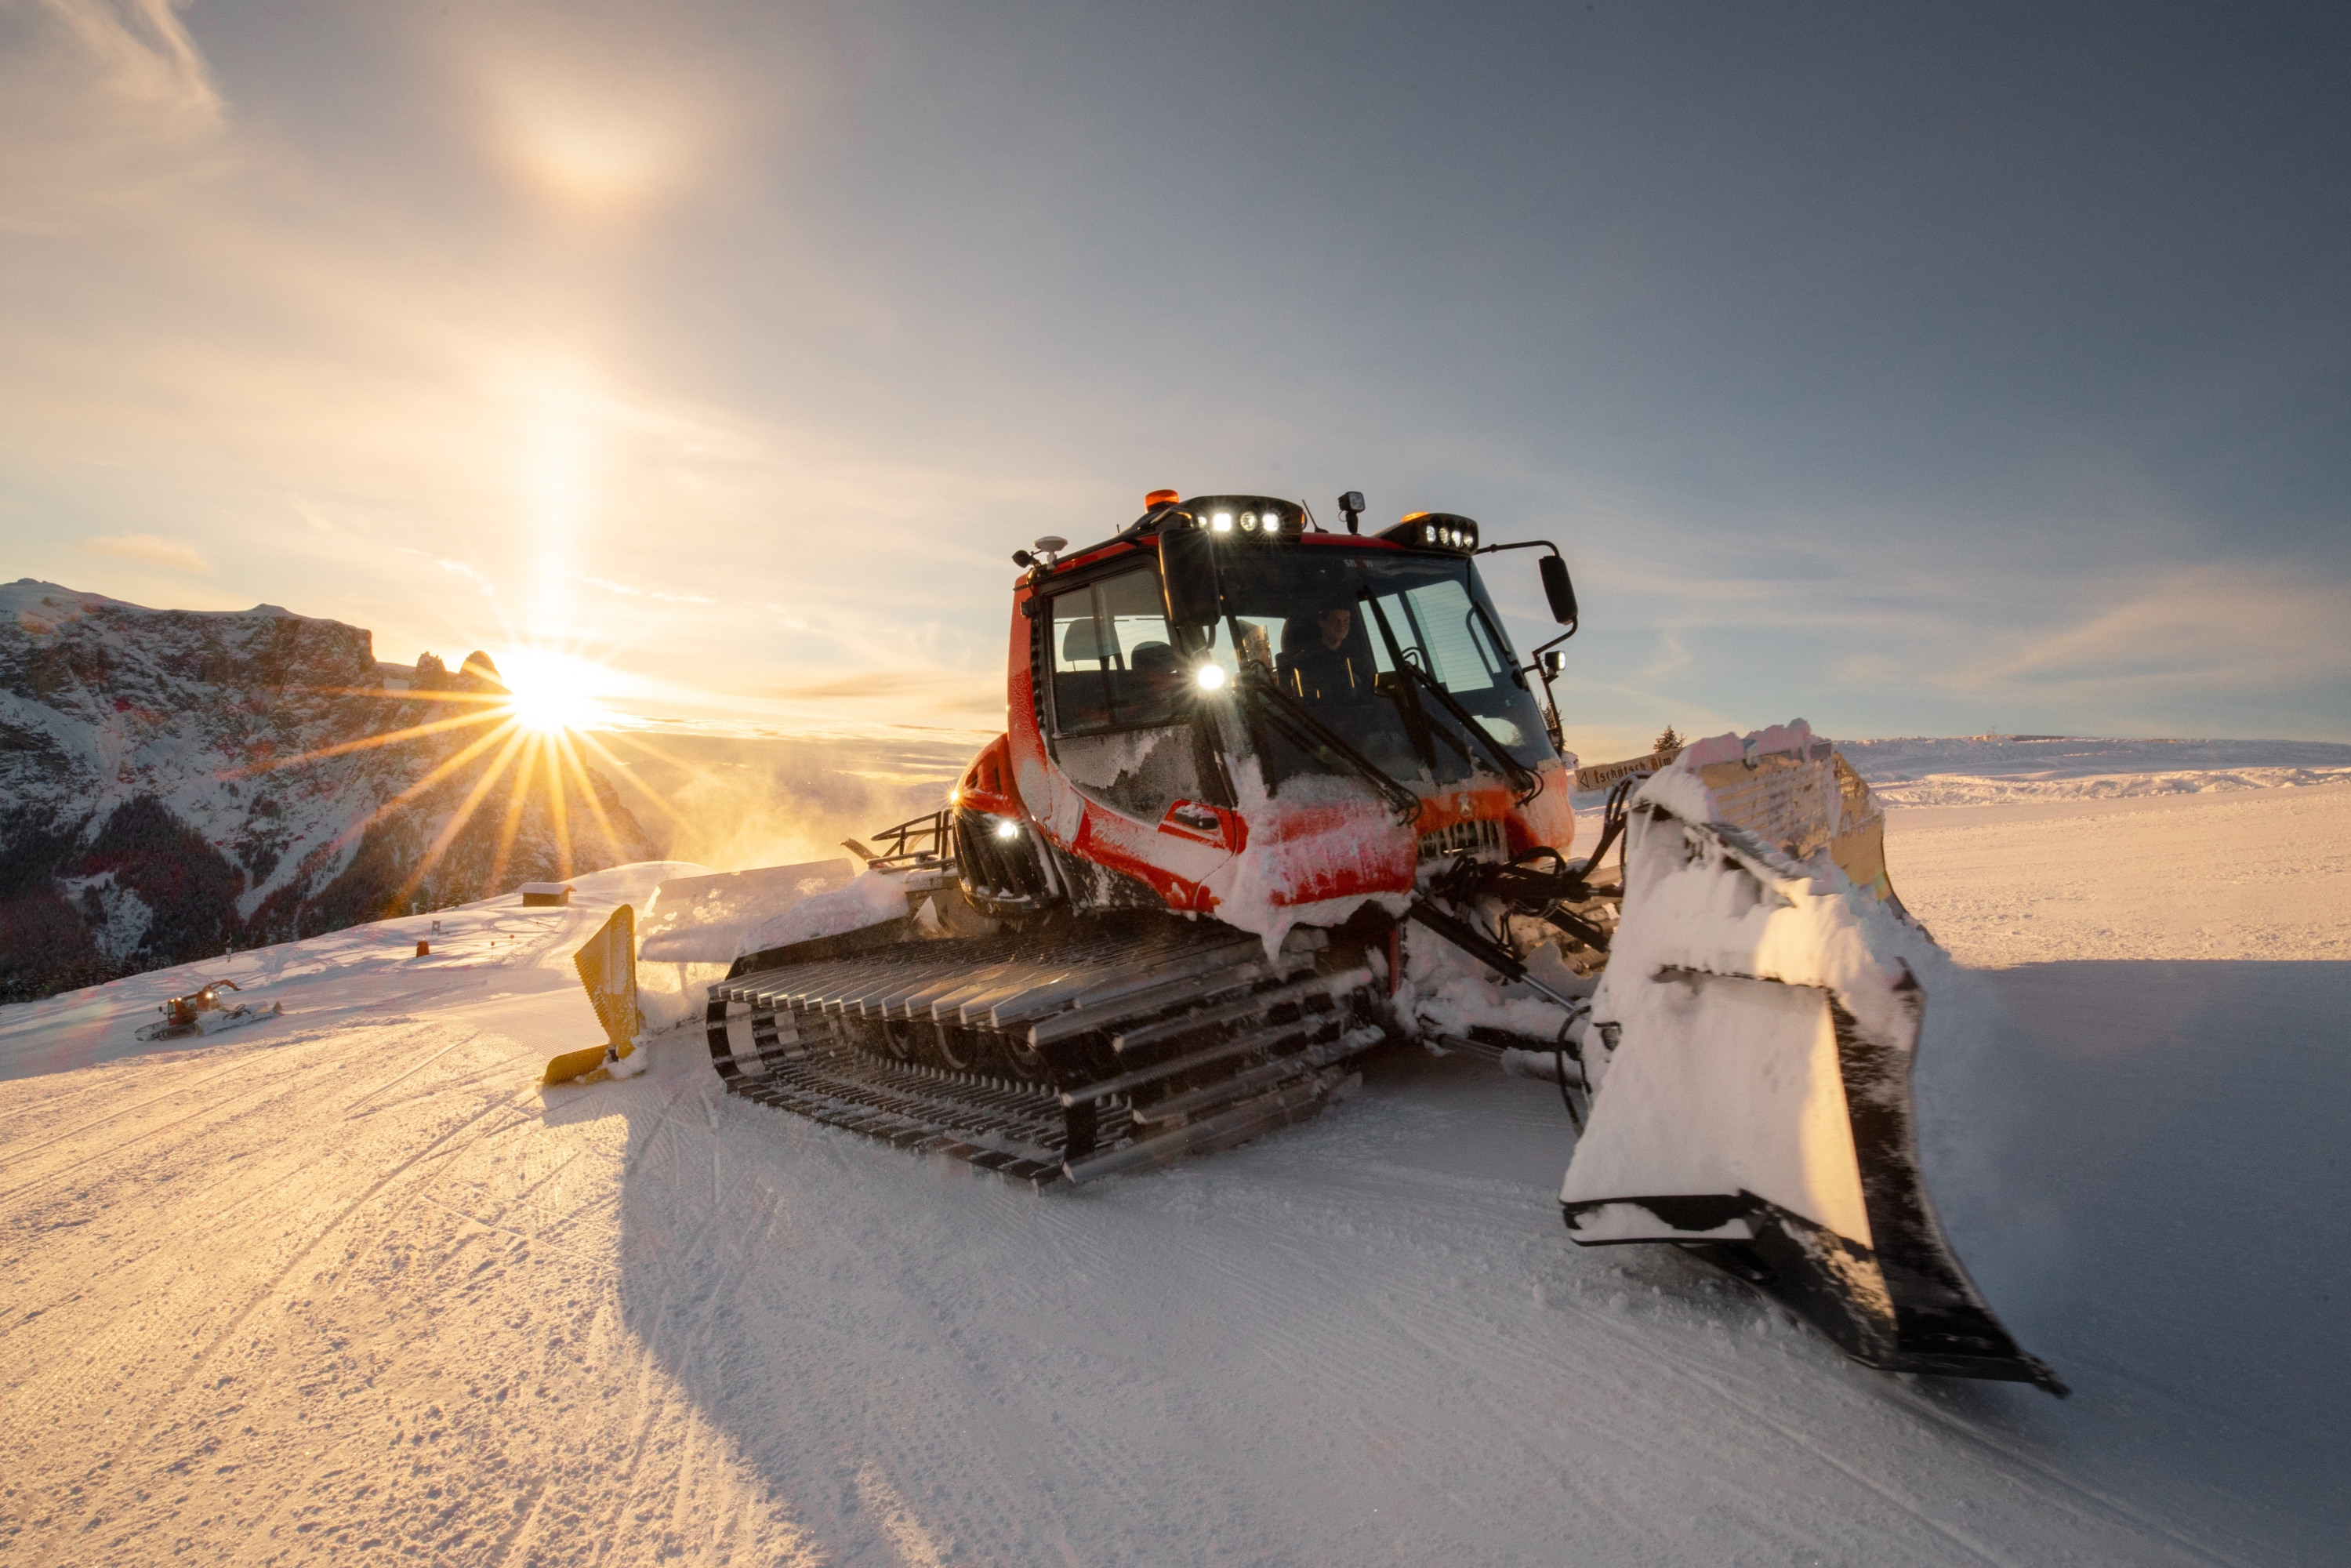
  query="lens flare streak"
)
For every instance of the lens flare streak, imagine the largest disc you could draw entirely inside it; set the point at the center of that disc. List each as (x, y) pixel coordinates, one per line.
(534, 727)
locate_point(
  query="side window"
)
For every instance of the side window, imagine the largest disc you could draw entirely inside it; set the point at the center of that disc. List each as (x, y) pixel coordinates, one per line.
(1144, 690)
(1114, 663)
(1080, 665)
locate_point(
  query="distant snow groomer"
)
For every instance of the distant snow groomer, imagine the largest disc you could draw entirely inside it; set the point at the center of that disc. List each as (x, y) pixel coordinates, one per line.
(203, 1012)
(1325, 745)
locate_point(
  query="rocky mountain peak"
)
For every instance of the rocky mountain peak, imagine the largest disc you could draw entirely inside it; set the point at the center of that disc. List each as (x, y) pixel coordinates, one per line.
(179, 781)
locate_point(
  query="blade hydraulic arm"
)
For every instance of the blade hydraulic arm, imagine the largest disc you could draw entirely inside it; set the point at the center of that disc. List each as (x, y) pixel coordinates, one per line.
(1487, 951)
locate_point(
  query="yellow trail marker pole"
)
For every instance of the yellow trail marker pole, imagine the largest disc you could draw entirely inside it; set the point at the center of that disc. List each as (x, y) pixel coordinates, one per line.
(607, 962)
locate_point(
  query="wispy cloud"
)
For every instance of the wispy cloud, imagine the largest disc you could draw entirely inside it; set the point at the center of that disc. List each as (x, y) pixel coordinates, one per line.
(632, 591)
(105, 106)
(141, 50)
(2205, 626)
(1671, 657)
(154, 549)
(488, 588)
(939, 692)
(584, 315)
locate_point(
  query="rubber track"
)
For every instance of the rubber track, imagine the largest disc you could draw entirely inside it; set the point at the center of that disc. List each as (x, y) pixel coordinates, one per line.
(815, 1027)
(1016, 1130)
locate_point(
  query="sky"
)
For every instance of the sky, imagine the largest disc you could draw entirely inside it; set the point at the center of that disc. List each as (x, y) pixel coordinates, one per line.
(1910, 370)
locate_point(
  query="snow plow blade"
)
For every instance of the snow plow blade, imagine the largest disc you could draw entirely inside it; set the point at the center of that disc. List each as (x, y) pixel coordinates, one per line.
(607, 964)
(1750, 1052)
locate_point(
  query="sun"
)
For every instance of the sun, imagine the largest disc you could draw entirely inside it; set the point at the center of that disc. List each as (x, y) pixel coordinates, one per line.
(533, 725)
(551, 691)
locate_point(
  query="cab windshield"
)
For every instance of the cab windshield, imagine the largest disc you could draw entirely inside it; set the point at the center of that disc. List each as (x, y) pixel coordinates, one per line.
(1328, 627)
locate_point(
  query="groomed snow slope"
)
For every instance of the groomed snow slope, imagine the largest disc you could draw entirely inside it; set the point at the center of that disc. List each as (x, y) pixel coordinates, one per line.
(348, 1285)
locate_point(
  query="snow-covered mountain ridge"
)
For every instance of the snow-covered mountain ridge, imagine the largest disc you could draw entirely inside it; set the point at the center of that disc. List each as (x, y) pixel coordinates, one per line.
(179, 781)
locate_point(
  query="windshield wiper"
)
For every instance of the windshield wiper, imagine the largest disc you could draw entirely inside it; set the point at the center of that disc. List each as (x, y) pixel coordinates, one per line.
(1415, 719)
(1257, 686)
(1524, 779)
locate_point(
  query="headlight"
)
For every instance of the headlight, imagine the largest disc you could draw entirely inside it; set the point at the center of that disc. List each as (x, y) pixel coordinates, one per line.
(1210, 676)
(1221, 523)
(1008, 829)
(1248, 522)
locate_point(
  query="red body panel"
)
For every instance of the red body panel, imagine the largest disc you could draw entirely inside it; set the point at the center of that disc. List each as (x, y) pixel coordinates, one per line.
(988, 785)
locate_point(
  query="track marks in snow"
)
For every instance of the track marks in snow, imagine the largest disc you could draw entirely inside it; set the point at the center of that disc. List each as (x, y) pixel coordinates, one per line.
(770, 1332)
(49, 1171)
(645, 1321)
(323, 1268)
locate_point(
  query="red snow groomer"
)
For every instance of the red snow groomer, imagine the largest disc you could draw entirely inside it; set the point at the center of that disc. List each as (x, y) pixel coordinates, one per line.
(203, 1012)
(1271, 797)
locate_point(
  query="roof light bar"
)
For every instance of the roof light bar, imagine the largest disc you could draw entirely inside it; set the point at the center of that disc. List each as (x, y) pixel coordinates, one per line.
(1232, 519)
(1435, 530)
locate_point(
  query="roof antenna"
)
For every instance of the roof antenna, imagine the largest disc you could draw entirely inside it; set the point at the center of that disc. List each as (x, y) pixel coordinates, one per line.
(1352, 503)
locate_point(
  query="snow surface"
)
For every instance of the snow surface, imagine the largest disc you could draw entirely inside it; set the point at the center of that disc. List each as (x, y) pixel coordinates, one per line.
(1997, 770)
(350, 1285)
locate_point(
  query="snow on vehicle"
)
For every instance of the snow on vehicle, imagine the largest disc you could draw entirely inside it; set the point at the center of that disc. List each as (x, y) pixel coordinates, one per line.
(1270, 795)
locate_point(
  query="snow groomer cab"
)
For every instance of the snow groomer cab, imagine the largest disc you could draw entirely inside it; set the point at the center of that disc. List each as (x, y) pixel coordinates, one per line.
(1226, 710)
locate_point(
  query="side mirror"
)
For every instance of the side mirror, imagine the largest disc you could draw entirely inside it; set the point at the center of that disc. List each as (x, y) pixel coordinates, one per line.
(1558, 590)
(1187, 572)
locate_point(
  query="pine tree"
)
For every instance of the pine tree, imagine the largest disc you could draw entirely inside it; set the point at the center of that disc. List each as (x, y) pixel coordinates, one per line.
(1667, 741)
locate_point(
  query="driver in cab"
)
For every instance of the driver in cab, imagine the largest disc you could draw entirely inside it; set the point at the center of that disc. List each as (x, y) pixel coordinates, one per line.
(1322, 659)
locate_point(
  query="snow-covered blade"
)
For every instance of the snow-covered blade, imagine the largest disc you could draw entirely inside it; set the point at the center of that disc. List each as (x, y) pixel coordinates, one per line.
(1752, 1052)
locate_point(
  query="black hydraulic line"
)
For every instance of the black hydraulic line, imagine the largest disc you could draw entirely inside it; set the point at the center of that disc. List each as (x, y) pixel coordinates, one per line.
(1257, 687)
(1495, 957)
(1539, 894)
(1559, 1064)
(1575, 926)
(1612, 823)
(1485, 950)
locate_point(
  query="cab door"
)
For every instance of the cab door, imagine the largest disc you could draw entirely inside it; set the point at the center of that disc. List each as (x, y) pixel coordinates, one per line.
(1122, 729)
